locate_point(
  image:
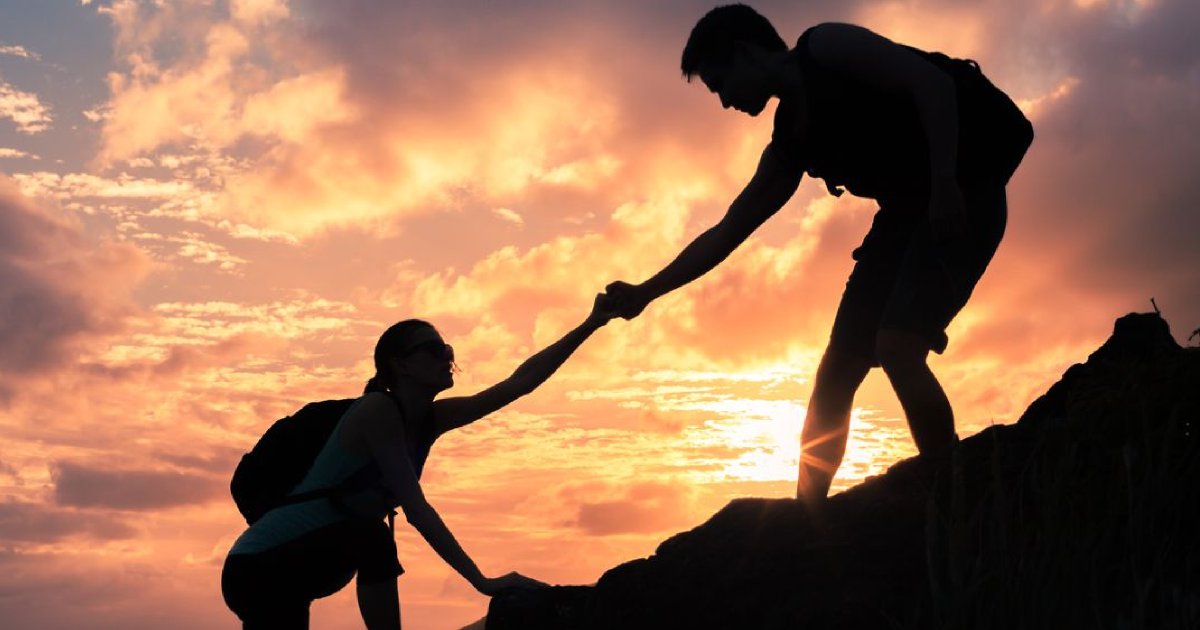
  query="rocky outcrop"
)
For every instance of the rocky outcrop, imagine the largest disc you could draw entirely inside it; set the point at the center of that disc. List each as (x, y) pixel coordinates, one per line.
(1084, 513)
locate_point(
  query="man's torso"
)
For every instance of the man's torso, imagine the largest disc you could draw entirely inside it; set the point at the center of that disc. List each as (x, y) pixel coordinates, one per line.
(872, 142)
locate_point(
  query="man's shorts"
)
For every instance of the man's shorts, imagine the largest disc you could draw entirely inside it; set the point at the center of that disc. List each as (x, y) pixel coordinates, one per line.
(905, 281)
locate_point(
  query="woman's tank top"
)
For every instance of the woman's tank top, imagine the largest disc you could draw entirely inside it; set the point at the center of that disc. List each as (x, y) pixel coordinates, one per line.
(333, 466)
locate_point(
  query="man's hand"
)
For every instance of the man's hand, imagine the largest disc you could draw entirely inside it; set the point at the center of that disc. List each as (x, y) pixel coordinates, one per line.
(947, 210)
(626, 300)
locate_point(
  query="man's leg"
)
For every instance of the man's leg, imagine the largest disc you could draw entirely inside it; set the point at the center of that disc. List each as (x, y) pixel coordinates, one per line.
(823, 440)
(935, 281)
(930, 418)
(850, 354)
(851, 351)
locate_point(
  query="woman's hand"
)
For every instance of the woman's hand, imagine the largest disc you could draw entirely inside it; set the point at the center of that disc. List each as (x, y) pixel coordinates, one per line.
(625, 300)
(508, 583)
(604, 308)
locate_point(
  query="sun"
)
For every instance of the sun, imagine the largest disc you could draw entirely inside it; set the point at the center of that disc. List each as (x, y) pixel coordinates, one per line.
(765, 435)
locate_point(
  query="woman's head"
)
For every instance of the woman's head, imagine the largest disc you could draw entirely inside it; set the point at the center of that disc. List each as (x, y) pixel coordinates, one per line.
(412, 350)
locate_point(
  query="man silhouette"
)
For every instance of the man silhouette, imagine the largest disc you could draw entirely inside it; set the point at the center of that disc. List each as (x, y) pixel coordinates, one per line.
(926, 136)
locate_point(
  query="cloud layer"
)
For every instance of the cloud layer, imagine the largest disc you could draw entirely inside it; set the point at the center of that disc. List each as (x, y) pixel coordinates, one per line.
(265, 185)
(79, 485)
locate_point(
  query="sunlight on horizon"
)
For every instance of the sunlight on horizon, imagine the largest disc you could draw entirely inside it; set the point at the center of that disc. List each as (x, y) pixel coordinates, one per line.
(767, 432)
(745, 424)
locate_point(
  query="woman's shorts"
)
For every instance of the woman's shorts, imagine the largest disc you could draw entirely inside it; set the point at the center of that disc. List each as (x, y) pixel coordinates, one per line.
(274, 588)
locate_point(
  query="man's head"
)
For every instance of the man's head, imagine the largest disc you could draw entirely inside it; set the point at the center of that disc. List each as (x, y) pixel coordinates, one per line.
(726, 50)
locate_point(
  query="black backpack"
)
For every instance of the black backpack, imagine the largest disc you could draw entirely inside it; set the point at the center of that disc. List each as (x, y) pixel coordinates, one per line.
(282, 457)
(994, 133)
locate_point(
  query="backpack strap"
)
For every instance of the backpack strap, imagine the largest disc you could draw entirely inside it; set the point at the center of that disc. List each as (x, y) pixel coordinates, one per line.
(362, 479)
(391, 517)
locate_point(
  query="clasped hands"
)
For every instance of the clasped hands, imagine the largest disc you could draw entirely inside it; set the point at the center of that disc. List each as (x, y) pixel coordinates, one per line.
(620, 299)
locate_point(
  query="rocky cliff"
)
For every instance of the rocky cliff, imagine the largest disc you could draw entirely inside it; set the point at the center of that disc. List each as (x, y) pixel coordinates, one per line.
(1084, 513)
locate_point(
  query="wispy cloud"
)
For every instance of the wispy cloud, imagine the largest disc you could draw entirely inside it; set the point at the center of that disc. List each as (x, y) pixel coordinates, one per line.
(509, 215)
(18, 51)
(6, 152)
(76, 186)
(24, 109)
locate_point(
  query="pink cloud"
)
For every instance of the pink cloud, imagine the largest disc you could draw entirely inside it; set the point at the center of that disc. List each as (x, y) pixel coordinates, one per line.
(24, 109)
(58, 288)
(89, 486)
(24, 523)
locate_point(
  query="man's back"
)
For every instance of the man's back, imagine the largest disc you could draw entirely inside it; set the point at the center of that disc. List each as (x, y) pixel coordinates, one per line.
(872, 142)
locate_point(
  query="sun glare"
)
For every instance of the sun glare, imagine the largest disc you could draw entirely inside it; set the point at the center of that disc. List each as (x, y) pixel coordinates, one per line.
(767, 434)
(754, 434)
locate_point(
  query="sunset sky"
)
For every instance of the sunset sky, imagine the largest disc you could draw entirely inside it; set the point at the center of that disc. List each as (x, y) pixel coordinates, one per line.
(210, 209)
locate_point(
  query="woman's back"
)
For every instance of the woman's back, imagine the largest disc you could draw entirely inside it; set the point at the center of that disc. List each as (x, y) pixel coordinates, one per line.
(334, 465)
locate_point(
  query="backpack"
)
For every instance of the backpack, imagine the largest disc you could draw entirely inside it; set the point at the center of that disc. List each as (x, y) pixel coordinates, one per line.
(994, 133)
(282, 457)
(265, 477)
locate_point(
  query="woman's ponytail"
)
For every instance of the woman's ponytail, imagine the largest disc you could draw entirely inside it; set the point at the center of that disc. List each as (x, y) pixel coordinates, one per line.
(375, 384)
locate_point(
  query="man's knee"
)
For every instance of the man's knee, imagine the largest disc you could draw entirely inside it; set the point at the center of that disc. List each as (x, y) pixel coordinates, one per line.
(898, 349)
(840, 371)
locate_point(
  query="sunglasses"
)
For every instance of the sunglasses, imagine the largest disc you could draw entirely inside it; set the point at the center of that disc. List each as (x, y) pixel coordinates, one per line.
(435, 349)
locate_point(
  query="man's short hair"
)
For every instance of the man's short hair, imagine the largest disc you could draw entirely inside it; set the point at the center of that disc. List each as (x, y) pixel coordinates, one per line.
(715, 36)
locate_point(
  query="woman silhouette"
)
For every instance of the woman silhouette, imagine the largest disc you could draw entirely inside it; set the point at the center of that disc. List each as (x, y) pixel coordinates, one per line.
(303, 551)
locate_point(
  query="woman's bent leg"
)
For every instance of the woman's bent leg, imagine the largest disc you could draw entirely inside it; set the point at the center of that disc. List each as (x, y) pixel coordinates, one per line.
(260, 597)
(379, 603)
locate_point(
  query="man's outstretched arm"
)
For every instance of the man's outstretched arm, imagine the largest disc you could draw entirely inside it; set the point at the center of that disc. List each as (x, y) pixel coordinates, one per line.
(771, 187)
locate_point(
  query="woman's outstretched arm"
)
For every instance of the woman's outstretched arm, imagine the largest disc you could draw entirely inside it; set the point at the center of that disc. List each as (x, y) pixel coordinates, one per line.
(452, 413)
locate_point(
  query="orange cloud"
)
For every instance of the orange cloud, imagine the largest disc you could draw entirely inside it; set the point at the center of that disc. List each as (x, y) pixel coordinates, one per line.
(642, 508)
(258, 11)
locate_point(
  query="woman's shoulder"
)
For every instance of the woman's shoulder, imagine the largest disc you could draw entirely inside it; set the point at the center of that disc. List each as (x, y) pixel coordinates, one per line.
(371, 413)
(377, 399)
(372, 408)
